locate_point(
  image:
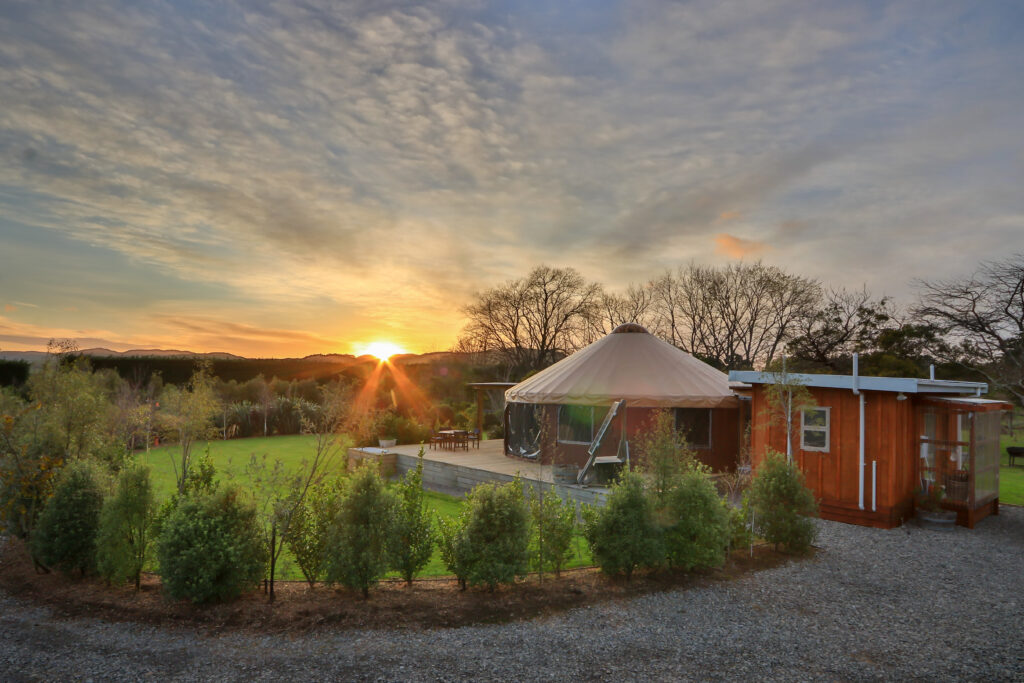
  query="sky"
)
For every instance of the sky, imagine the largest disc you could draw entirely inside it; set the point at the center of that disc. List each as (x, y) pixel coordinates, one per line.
(287, 178)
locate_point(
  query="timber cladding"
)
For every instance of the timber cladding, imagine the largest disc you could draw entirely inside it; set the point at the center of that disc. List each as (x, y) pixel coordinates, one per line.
(890, 454)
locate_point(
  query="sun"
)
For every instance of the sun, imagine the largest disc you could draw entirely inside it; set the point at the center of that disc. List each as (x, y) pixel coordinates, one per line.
(381, 350)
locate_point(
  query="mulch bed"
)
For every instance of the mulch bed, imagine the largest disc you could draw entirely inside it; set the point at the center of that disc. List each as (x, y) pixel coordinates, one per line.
(429, 603)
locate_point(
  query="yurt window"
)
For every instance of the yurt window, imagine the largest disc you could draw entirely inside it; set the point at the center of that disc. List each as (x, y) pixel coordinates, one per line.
(695, 426)
(523, 430)
(576, 424)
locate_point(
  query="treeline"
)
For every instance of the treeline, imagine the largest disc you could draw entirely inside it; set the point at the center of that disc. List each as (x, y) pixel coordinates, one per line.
(747, 315)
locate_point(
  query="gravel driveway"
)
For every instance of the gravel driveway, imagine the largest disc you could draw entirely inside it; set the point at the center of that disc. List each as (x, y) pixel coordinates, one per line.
(873, 605)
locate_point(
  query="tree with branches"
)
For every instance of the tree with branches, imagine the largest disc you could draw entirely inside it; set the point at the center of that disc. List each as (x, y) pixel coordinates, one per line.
(736, 316)
(534, 321)
(981, 317)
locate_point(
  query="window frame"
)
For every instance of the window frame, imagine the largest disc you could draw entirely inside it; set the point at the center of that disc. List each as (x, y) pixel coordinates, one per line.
(826, 429)
(711, 425)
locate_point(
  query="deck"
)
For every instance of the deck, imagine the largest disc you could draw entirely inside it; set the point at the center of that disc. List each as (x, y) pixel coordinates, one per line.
(457, 472)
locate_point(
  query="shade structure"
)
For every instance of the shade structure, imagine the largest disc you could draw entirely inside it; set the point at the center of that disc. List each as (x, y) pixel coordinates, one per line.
(631, 365)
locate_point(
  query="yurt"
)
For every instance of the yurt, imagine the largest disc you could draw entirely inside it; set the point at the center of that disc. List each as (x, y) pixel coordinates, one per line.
(589, 408)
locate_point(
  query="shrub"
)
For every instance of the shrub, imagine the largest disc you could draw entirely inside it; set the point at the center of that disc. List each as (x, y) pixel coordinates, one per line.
(356, 551)
(65, 535)
(124, 538)
(698, 531)
(782, 505)
(497, 534)
(553, 523)
(311, 522)
(210, 548)
(451, 541)
(412, 535)
(623, 535)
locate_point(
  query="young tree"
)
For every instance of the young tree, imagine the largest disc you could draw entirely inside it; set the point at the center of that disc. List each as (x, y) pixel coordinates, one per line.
(412, 536)
(124, 539)
(782, 505)
(356, 553)
(666, 455)
(311, 521)
(553, 524)
(451, 541)
(73, 406)
(697, 531)
(27, 470)
(65, 536)
(210, 548)
(279, 493)
(497, 534)
(624, 534)
(982, 318)
(786, 396)
(187, 413)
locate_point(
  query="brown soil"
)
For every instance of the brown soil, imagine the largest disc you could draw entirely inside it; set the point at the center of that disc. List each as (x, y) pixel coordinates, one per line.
(429, 603)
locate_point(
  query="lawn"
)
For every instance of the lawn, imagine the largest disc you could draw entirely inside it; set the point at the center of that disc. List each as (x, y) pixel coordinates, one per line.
(1011, 479)
(231, 457)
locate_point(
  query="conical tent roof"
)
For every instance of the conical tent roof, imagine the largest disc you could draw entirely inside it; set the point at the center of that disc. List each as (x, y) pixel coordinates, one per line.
(629, 364)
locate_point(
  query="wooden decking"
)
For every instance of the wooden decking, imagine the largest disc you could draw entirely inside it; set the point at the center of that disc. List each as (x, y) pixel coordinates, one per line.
(457, 472)
(488, 457)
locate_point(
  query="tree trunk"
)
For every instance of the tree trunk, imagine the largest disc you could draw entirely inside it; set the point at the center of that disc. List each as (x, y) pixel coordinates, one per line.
(273, 558)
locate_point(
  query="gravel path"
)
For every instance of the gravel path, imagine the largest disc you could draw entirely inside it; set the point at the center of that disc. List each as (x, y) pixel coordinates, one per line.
(873, 605)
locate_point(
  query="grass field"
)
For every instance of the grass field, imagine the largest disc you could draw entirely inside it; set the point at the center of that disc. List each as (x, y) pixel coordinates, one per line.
(1011, 479)
(231, 458)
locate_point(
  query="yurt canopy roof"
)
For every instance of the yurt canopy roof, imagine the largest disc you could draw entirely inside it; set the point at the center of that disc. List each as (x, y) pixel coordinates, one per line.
(632, 365)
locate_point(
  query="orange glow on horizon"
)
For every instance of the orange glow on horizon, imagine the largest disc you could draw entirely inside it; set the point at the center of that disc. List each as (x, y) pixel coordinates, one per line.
(382, 350)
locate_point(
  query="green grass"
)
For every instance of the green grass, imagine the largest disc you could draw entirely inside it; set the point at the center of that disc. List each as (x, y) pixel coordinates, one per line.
(231, 457)
(1011, 479)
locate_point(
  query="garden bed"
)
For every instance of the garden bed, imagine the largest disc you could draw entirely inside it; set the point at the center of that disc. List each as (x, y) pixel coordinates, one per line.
(429, 603)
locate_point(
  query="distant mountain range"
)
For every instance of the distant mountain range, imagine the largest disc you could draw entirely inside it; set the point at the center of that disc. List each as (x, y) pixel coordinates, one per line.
(328, 358)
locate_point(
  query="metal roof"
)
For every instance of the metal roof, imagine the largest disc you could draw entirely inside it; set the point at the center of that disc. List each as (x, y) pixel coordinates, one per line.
(906, 385)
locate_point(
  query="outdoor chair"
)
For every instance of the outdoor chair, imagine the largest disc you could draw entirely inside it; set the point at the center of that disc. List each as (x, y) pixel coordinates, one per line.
(474, 437)
(1014, 452)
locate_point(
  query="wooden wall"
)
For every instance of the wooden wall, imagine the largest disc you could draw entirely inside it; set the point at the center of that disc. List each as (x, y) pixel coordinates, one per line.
(722, 456)
(890, 441)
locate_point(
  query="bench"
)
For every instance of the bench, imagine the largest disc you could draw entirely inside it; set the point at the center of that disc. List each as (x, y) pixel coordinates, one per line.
(1014, 452)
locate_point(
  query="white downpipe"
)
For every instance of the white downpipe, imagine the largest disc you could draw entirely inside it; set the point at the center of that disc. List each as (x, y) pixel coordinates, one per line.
(874, 485)
(860, 463)
(789, 413)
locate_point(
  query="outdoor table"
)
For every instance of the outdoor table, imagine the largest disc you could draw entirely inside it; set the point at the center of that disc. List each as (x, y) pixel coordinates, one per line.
(454, 438)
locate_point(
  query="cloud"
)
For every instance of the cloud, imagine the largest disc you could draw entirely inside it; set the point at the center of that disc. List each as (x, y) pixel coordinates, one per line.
(737, 247)
(10, 308)
(385, 160)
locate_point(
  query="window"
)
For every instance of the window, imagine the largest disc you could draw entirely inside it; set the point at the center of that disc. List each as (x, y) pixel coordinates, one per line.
(523, 430)
(578, 424)
(814, 429)
(695, 426)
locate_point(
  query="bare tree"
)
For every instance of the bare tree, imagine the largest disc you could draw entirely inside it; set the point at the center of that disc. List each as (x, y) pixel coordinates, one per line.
(531, 322)
(735, 316)
(982, 318)
(846, 322)
(634, 305)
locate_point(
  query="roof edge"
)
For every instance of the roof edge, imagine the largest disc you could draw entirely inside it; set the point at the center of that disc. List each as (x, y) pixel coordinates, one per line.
(906, 385)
